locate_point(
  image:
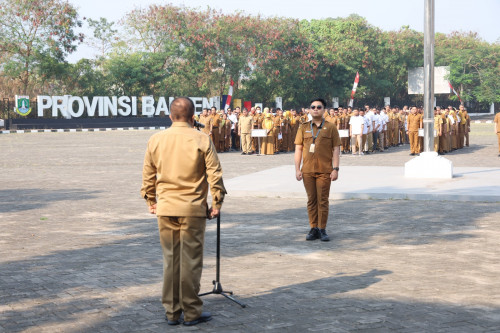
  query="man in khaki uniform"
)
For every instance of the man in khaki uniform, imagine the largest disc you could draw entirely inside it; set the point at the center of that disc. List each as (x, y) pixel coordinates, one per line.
(215, 129)
(179, 165)
(278, 122)
(414, 121)
(245, 125)
(318, 149)
(294, 127)
(438, 124)
(497, 130)
(206, 120)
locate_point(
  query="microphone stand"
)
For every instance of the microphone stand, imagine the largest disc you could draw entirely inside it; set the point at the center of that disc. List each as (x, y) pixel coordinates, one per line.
(217, 285)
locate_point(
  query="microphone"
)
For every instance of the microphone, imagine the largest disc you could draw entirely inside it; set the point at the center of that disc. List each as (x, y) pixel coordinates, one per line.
(198, 125)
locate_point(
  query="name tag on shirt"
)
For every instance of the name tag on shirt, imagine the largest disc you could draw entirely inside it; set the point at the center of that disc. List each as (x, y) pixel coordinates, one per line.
(311, 148)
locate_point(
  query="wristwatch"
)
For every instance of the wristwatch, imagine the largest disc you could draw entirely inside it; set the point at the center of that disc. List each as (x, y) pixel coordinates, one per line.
(336, 168)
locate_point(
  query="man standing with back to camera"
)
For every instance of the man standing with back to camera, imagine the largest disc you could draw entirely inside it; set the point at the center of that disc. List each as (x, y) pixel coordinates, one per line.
(179, 165)
(317, 146)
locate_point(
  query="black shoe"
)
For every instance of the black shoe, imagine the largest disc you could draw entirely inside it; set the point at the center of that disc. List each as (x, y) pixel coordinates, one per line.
(243, 153)
(323, 236)
(313, 234)
(204, 317)
(412, 154)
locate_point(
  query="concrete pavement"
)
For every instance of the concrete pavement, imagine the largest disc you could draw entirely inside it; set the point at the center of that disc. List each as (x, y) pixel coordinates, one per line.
(80, 253)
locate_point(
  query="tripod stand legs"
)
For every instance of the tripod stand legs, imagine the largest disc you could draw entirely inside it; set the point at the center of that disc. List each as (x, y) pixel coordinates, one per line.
(219, 291)
(217, 286)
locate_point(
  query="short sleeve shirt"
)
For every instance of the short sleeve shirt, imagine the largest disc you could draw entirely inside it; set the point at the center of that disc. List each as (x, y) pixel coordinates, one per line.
(328, 138)
(497, 121)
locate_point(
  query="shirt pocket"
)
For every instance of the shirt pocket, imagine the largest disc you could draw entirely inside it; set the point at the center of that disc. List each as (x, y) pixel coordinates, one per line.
(308, 139)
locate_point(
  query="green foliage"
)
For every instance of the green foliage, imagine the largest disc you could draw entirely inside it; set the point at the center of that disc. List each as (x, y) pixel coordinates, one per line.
(33, 29)
(172, 51)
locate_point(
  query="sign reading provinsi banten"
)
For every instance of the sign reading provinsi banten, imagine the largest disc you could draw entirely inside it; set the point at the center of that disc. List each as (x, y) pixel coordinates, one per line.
(104, 106)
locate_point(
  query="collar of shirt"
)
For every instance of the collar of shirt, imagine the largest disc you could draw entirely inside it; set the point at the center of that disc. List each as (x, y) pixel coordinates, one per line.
(180, 124)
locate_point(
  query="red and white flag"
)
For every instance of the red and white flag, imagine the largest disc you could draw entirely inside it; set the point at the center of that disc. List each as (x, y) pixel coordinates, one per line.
(229, 95)
(354, 87)
(451, 87)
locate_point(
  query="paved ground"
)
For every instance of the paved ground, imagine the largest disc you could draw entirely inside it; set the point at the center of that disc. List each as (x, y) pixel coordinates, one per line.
(79, 253)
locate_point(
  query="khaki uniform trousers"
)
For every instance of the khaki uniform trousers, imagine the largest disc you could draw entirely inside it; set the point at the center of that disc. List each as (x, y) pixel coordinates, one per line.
(436, 144)
(246, 142)
(182, 241)
(381, 140)
(369, 142)
(414, 144)
(364, 137)
(317, 187)
(356, 141)
(215, 138)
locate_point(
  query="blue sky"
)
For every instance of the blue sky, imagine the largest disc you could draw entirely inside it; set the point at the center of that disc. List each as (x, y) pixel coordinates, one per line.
(450, 15)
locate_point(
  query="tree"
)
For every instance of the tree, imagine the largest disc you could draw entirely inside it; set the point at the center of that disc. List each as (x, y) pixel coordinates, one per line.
(104, 35)
(33, 29)
(474, 65)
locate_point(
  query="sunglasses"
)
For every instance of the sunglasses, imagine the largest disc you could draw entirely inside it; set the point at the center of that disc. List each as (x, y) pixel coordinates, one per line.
(319, 107)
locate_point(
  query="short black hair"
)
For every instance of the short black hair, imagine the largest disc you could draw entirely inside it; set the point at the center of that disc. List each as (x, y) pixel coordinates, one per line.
(318, 100)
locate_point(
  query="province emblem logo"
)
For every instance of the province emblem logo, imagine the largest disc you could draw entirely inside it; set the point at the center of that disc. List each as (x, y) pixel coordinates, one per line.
(23, 105)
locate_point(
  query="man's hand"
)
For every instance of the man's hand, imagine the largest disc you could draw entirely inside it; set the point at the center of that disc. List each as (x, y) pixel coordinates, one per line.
(334, 175)
(298, 175)
(213, 213)
(152, 209)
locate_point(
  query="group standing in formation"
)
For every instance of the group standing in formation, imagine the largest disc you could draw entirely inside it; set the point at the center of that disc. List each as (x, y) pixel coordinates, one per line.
(362, 130)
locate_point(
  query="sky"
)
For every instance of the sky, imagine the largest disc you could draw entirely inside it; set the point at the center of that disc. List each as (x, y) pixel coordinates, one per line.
(481, 16)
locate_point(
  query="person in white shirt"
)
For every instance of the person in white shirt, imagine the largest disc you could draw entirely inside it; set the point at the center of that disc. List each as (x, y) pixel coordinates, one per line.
(381, 129)
(356, 125)
(366, 128)
(233, 116)
(376, 127)
(369, 137)
(383, 137)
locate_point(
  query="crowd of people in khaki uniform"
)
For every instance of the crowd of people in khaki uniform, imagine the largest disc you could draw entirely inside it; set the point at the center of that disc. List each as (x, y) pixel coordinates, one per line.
(281, 128)
(363, 131)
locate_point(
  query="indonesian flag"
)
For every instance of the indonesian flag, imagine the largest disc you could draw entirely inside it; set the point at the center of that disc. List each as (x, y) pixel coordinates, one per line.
(354, 87)
(451, 87)
(229, 95)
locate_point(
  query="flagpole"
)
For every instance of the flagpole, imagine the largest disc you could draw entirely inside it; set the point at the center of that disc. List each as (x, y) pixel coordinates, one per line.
(429, 76)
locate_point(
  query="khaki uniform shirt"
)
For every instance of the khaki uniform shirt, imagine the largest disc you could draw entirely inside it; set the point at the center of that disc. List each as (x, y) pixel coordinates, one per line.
(245, 124)
(207, 121)
(438, 124)
(179, 164)
(321, 160)
(414, 122)
(497, 121)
